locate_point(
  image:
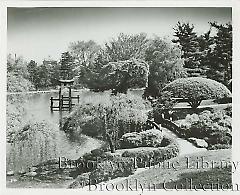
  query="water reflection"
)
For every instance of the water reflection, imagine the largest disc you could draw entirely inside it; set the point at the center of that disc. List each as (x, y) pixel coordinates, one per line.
(37, 106)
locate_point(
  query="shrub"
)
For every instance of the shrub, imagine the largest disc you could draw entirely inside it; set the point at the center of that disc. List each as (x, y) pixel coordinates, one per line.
(118, 167)
(163, 104)
(106, 169)
(15, 121)
(219, 138)
(17, 83)
(152, 138)
(228, 111)
(131, 140)
(214, 127)
(219, 146)
(151, 156)
(196, 89)
(107, 114)
(148, 138)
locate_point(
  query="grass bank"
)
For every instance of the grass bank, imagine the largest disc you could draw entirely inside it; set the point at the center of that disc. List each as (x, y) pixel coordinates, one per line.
(174, 172)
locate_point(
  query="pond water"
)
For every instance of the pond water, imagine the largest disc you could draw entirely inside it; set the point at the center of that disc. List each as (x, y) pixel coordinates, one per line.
(21, 156)
(38, 104)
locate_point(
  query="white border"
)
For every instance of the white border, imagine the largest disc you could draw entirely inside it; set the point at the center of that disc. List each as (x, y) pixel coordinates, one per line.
(235, 4)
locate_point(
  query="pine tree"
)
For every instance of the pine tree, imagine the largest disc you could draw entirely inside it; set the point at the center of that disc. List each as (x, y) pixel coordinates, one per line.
(32, 70)
(67, 66)
(220, 57)
(188, 41)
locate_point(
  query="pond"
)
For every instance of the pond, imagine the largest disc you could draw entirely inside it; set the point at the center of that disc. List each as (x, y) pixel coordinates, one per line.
(37, 106)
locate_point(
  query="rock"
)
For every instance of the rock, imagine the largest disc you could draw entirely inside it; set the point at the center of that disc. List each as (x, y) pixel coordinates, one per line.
(10, 173)
(13, 180)
(31, 174)
(22, 172)
(200, 143)
(81, 181)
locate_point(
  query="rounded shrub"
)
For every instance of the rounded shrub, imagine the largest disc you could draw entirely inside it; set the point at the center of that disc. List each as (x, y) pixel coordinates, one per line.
(196, 89)
(148, 138)
(147, 156)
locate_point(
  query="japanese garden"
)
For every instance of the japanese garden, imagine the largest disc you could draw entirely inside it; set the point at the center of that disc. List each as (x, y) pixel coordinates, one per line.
(121, 110)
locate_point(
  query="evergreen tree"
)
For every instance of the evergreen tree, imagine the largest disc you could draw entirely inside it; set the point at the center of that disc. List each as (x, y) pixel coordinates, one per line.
(205, 42)
(220, 57)
(67, 66)
(188, 41)
(32, 70)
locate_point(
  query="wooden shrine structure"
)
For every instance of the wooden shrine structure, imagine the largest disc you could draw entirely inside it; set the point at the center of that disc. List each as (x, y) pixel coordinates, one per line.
(64, 102)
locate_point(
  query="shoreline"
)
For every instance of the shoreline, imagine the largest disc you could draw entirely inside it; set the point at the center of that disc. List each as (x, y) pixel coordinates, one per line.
(38, 92)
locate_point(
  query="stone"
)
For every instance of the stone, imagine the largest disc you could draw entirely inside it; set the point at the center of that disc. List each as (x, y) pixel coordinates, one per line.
(21, 172)
(200, 143)
(31, 174)
(13, 180)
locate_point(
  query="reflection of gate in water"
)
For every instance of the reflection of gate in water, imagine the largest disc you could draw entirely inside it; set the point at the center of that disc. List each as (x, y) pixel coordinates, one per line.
(65, 100)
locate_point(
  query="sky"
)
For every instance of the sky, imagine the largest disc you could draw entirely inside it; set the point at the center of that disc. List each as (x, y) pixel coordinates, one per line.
(40, 33)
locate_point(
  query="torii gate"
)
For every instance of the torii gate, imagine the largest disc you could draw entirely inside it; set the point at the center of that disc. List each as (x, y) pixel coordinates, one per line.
(65, 103)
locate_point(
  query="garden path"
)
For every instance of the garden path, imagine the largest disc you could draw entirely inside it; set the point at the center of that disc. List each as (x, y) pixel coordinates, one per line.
(185, 146)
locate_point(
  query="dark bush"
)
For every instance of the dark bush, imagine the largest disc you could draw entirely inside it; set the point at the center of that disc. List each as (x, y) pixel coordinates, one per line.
(228, 111)
(224, 100)
(219, 146)
(219, 138)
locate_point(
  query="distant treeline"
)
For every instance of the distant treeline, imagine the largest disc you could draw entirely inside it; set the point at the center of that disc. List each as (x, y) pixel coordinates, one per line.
(132, 61)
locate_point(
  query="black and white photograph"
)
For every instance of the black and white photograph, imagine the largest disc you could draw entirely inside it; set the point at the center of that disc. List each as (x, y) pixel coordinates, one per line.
(108, 98)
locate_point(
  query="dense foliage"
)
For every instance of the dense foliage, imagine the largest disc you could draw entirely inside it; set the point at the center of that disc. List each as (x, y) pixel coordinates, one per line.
(165, 65)
(148, 138)
(187, 38)
(125, 47)
(209, 54)
(105, 169)
(196, 89)
(108, 116)
(214, 127)
(220, 57)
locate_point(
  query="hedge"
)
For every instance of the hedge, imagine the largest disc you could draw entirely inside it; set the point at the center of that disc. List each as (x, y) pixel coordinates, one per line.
(147, 156)
(106, 170)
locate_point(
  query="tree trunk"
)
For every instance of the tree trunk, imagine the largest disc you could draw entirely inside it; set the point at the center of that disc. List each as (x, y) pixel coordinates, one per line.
(112, 148)
(194, 103)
